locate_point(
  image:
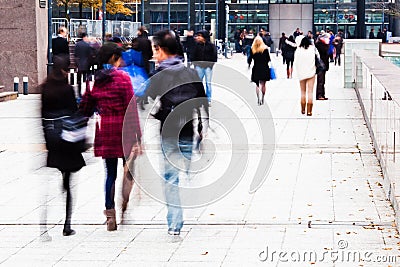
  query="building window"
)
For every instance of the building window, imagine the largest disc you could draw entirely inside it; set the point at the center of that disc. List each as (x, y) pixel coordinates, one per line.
(162, 17)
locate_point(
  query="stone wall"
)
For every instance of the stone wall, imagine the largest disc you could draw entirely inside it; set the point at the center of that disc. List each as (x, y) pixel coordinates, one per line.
(287, 17)
(23, 44)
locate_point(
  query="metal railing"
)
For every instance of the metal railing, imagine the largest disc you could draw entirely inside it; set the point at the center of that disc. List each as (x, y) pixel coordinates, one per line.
(94, 27)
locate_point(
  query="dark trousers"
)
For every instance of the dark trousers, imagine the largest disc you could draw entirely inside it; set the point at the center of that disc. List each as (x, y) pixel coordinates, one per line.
(238, 48)
(82, 76)
(68, 206)
(111, 165)
(321, 84)
(337, 58)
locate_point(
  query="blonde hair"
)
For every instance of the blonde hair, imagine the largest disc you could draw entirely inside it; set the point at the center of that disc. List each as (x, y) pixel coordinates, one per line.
(258, 45)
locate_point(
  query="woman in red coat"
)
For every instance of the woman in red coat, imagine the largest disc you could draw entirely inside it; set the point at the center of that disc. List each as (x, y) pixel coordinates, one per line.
(111, 97)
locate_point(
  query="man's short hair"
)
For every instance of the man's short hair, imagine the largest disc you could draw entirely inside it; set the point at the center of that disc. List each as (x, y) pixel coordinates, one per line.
(166, 40)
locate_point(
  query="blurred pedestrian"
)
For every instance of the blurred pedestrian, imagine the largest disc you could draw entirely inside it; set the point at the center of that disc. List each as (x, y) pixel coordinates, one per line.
(282, 46)
(260, 73)
(83, 54)
(248, 42)
(175, 84)
(190, 45)
(323, 45)
(331, 46)
(142, 44)
(296, 33)
(204, 58)
(338, 44)
(60, 45)
(372, 34)
(304, 69)
(238, 40)
(380, 35)
(58, 101)
(290, 49)
(113, 98)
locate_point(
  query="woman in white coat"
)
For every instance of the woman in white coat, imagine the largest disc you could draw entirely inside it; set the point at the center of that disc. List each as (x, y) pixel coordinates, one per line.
(304, 70)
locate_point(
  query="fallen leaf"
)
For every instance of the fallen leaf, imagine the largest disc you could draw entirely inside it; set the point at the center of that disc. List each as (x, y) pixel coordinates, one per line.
(212, 214)
(309, 205)
(380, 228)
(361, 210)
(348, 233)
(379, 184)
(387, 249)
(205, 253)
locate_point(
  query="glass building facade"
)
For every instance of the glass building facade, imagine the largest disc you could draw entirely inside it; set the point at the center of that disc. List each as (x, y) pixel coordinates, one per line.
(252, 14)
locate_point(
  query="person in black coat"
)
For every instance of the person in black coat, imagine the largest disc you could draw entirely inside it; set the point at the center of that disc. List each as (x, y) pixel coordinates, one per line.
(142, 43)
(322, 45)
(59, 45)
(372, 34)
(203, 58)
(58, 100)
(260, 73)
(290, 48)
(83, 54)
(190, 44)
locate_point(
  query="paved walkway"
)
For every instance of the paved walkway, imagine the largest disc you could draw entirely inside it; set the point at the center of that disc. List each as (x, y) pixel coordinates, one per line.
(322, 198)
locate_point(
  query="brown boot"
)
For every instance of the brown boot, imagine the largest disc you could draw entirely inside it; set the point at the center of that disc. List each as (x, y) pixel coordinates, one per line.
(288, 73)
(291, 72)
(309, 109)
(111, 220)
(303, 107)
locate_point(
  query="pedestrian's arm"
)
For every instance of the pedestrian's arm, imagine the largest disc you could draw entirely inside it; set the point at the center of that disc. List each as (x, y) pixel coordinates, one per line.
(87, 104)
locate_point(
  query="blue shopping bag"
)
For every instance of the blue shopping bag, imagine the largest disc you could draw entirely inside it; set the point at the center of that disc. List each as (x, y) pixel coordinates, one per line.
(272, 73)
(139, 79)
(132, 56)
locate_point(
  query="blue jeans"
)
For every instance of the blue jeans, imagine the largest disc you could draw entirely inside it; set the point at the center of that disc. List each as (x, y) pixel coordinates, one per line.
(172, 157)
(111, 166)
(207, 73)
(248, 48)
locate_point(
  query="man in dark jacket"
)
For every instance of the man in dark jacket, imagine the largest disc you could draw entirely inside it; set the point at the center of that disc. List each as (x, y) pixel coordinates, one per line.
(372, 34)
(142, 43)
(204, 58)
(181, 92)
(322, 44)
(83, 54)
(60, 45)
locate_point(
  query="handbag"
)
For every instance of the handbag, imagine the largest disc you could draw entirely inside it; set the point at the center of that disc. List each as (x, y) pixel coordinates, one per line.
(272, 73)
(67, 133)
(74, 128)
(319, 65)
